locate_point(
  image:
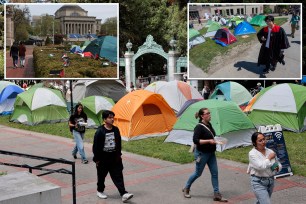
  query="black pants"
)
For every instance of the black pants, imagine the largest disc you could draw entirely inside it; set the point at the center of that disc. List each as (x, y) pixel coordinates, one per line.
(114, 168)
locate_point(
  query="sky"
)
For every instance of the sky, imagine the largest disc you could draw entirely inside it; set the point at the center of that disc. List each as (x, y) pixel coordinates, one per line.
(101, 11)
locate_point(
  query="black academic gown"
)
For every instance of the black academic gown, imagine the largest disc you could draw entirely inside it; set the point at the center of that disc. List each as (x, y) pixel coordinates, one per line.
(278, 41)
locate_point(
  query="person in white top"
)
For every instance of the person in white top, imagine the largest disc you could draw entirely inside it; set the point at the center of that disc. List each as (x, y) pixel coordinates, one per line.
(263, 165)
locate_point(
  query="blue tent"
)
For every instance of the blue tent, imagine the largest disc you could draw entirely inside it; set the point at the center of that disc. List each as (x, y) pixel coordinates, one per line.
(244, 28)
(303, 80)
(8, 94)
(105, 46)
(76, 49)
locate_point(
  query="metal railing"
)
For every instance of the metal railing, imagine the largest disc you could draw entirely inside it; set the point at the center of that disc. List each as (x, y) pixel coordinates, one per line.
(40, 167)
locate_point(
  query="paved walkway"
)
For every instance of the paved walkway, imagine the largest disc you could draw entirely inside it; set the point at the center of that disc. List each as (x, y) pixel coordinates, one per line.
(150, 180)
(245, 66)
(27, 71)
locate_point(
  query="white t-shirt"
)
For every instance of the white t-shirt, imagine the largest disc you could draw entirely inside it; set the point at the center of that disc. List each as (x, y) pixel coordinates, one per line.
(268, 39)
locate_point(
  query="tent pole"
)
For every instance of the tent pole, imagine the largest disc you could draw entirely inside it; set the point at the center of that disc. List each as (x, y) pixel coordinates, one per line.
(71, 98)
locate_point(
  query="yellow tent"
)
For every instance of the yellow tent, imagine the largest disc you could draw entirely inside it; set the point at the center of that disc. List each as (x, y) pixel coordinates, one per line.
(141, 114)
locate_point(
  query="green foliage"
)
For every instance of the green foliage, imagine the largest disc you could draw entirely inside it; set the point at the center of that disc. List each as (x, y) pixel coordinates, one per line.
(109, 27)
(48, 41)
(21, 33)
(79, 67)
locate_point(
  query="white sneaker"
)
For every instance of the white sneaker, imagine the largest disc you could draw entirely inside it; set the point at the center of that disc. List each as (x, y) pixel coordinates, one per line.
(126, 197)
(101, 195)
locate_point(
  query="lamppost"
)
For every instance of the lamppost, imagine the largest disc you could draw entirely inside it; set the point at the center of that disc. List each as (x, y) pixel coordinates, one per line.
(53, 30)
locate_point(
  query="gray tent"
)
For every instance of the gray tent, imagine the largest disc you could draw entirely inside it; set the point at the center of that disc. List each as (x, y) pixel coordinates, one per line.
(113, 89)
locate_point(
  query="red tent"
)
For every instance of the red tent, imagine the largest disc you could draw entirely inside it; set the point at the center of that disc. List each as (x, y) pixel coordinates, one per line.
(88, 54)
(224, 35)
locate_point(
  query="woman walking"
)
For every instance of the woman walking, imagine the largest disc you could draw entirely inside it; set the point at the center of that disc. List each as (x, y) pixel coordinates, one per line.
(77, 124)
(204, 153)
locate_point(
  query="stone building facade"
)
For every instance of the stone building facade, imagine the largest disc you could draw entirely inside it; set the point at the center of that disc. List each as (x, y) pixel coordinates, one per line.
(75, 20)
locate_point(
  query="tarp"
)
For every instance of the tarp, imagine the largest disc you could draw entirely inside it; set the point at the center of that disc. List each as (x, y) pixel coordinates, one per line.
(231, 91)
(8, 94)
(93, 107)
(76, 49)
(40, 105)
(244, 28)
(283, 104)
(176, 93)
(113, 89)
(258, 20)
(105, 46)
(303, 81)
(227, 120)
(224, 35)
(142, 114)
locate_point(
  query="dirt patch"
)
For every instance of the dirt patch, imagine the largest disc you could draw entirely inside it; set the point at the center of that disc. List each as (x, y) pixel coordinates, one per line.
(229, 57)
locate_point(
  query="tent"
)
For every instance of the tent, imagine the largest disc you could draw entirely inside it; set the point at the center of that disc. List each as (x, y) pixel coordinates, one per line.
(244, 28)
(84, 44)
(176, 93)
(8, 94)
(303, 81)
(142, 114)
(212, 29)
(231, 91)
(227, 120)
(113, 89)
(225, 36)
(283, 104)
(94, 106)
(195, 38)
(258, 20)
(186, 105)
(76, 49)
(88, 54)
(105, 46)
(40, 105)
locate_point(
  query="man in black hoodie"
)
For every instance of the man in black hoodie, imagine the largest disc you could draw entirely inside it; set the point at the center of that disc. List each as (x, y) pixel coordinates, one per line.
(107, 156)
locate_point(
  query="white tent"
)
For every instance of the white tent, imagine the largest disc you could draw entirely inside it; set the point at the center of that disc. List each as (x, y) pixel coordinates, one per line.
(176, 93)
(113, 89)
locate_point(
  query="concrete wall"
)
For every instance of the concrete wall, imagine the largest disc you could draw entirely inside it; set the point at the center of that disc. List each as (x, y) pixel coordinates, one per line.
(26, 188)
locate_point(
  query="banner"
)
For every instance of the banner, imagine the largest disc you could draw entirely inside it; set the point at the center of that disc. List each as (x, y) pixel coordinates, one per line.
(276, 142)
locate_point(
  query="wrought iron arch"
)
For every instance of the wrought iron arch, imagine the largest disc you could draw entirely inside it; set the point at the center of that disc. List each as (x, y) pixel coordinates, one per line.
(150, 46)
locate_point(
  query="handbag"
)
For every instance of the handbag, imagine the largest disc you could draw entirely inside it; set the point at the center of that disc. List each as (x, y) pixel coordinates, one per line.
(297, 27)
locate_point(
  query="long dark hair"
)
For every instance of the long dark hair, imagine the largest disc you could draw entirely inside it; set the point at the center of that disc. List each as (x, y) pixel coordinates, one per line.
(76, 110)
(199, 113)
(254, 138)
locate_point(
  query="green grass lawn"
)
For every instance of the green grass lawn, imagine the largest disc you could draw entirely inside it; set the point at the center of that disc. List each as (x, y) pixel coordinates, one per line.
(155, 147)
(203, 54)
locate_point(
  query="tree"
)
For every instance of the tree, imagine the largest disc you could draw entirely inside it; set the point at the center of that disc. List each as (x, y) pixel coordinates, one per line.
(21, 18)
(109, 27)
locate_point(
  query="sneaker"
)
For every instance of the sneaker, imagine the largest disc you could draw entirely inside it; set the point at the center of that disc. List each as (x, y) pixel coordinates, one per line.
(85, 161)
(218, 197)
(74, 156)
(265, 70)
(126, 197)
(101, 195)
(186, 193)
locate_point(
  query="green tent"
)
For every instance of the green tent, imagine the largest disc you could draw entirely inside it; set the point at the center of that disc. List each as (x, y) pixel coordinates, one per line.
(214, 26)
(105, 46)
(226, 118)
(231, 91)
(283, 104)
(193, 33)
(258, 20)
(84, 44)
(40, 105)
(94, 106)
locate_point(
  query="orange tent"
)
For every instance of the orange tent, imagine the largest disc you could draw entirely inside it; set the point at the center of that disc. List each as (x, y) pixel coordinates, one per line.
(249, 108)
(141, 114)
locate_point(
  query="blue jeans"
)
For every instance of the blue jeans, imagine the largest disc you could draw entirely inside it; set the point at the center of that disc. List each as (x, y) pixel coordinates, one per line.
(79, 146)
(201, 160)
(262, 188)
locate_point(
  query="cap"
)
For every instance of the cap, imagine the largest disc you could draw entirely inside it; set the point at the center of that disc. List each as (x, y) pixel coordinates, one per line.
(258, 84)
